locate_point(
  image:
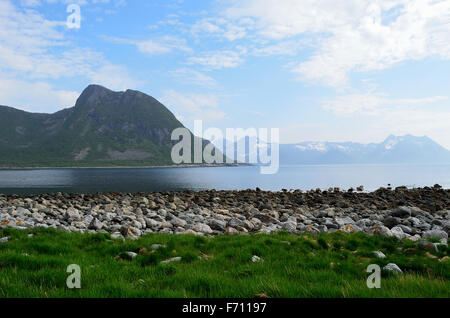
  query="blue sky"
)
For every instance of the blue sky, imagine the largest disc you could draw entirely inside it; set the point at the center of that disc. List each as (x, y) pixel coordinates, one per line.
(319, 70)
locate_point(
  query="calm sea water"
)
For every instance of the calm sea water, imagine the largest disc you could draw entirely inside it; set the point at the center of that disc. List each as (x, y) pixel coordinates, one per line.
(226, 178)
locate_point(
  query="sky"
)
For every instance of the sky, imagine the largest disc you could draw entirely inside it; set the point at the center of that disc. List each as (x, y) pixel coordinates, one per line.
(320, 70)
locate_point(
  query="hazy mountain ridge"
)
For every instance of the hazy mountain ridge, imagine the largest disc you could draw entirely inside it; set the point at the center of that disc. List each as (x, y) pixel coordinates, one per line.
(107, 128)
(394, 149)
(103, 128)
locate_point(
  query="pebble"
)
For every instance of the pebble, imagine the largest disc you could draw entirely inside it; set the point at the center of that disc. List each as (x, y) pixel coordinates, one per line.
(393, 268)
(379, 254)
(131, 254)
(170, 260)
(237, 212)
(256, 259)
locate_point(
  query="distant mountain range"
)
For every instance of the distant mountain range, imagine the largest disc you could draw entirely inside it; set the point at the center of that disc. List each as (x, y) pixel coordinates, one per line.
(104, 128)
(395, 149)
(107, 128)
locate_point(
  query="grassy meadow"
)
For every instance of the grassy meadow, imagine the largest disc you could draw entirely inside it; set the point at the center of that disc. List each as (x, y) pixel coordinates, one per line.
(327, 265)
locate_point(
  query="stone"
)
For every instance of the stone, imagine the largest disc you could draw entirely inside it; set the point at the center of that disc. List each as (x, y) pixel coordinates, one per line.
(37, 217)
(401, 212)
(20, 211)
(435, 234)
(312, 229)
(406, 229)
(380, 230)
(116, 235)
(151, 223)
(256, 259)
(393, 268)
(178, 222)
(72, 215)
(398, 232)
(344, 221)
(379, 254)
(96, 225)
(390, 221)
(231, 231)
(236, 222)
(4, 239)
(264, 218)
(156, 246)
(331, 225)
(132, 255)
(202, 228)
(131, 232)
(289, 226)
(170, 260)
(218, 225)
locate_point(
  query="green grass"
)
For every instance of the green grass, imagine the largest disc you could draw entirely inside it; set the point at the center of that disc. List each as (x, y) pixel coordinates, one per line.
(328, 265)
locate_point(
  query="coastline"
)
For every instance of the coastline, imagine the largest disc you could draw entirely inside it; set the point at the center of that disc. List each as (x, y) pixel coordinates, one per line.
(403, 213)
(238, 238)
(130, 167)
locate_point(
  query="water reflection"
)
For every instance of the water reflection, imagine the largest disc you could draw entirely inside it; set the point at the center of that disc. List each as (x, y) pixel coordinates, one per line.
(226, 178)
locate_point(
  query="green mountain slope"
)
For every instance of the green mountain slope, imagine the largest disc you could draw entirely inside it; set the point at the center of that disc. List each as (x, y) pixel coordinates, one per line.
(104, 128)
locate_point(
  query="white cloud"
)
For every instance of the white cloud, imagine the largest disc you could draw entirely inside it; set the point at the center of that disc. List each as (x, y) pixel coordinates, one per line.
(40, 96)
(115, 77)
(399, 116)
(193, 106)
(218, 59)
(375, 104)
(30, 3)
(34, 49)
(219, 27)
(356, 35)
(158, 46)
(289, 47)
(193, 77)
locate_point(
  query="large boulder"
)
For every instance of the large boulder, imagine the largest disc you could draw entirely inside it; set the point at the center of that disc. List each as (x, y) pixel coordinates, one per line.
(435, 234)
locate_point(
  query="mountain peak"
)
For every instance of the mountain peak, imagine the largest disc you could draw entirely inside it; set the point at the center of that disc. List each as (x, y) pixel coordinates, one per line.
(95, 89)
(93, 94)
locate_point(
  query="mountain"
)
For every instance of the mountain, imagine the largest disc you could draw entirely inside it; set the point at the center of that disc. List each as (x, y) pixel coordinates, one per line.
(395, 149)
(104, 128)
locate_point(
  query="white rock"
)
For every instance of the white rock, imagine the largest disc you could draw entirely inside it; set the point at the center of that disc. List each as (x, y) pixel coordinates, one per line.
(170, 260)
(381, 230)
(116, 235)
(256, 259)
(131, 254)
(435, 234)
(96, 225)
(73, 214)
(398, 232)
(156, 246)
(379, 254)
(391, 267)
(178, 222)
(4, 239)
(290, 226)
(202, 228)
(344, 221)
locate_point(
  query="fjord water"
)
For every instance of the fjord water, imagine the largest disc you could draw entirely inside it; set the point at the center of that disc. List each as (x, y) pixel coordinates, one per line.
(305, 177)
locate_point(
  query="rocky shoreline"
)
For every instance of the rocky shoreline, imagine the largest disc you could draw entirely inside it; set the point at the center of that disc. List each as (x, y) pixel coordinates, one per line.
(415, 214)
